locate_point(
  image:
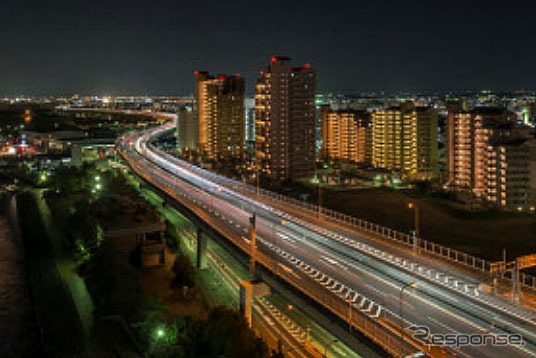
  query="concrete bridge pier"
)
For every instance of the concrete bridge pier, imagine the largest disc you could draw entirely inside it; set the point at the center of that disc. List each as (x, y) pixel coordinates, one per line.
(201, 249)
(248, 291)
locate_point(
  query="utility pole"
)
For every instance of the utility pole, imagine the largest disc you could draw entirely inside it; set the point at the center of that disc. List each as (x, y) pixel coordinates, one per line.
(253, 242)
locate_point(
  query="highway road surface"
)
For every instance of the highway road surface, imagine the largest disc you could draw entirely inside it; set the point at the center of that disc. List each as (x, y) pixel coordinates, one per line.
(377, 288)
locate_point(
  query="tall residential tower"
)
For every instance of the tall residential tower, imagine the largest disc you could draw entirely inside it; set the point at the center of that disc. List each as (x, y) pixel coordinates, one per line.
(220, 115)
(405, 140)
(346, 134)
(285, 120)
(493, 156)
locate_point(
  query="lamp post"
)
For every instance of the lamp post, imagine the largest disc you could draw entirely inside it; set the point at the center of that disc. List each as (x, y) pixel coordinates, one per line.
(319, 199)
(316, 181)
(416, 213)
(412, 284)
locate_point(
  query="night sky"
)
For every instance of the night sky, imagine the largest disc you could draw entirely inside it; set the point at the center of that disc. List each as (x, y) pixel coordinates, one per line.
(152, 47)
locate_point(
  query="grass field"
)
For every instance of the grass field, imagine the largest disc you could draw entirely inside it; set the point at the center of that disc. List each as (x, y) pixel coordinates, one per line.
(482, 233)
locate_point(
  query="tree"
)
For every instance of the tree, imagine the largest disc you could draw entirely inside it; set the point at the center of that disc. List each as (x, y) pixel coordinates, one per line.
(225, 332)
(113, 283)
(160, 336)
(184, 272)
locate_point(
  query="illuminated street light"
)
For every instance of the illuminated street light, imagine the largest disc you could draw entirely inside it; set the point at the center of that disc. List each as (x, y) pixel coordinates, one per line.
(415, 208)
(160, 333)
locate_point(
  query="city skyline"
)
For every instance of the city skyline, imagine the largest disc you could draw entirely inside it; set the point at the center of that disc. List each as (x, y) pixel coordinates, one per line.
(283, 179)
(61, 48)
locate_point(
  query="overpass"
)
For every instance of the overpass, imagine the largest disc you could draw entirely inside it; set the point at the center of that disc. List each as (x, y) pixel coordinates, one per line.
(377, 287)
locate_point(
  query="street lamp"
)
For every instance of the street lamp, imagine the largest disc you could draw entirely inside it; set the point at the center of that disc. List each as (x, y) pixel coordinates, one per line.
(415, 208)
(159, 332)
(327, 346)
(412, 284)
(316, 181)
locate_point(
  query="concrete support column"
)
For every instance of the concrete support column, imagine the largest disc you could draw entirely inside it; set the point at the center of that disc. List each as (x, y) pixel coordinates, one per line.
(201, 249)
(246, 298)
(248, 291)
(253, 247)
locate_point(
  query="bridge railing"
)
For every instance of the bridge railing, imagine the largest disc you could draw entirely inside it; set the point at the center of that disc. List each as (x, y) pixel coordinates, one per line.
(425, 246)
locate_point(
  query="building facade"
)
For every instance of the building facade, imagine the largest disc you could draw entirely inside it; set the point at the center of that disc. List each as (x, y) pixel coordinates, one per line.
(469, 135)
(285, 120)
(249, 116)
(346, 135)
(187, 128)
(404, 139)
(511, 174)
(220, 115)
(492, 156)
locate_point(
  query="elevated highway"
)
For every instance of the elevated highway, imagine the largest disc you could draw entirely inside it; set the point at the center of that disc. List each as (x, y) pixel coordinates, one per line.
(378, 288)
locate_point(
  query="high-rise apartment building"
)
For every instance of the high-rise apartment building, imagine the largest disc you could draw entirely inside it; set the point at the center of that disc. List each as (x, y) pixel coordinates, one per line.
(346, 134)
(285, 120)
(249, 116)
(511, 174)
(468, 136)
(220, 115)
(404, 139)
(187, 135)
